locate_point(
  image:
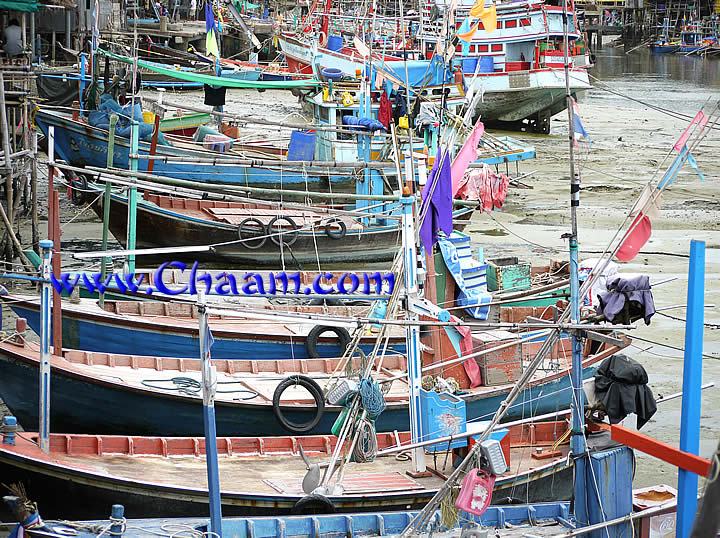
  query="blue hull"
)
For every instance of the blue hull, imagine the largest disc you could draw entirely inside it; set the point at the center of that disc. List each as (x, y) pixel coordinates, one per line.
(82, 145)
(86, 405)
(90, 335)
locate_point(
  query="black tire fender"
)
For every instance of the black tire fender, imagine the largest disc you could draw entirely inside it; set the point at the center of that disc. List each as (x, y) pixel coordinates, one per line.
(311, 341)
(314, 504)
(333, 233)
(248, 242)
(313, 388)
(287, 238)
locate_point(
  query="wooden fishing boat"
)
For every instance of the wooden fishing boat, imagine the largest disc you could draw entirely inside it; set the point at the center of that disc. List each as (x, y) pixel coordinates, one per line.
(122, 393)
(166, 329)
(161, 476)
(81, 144)
(259, 233)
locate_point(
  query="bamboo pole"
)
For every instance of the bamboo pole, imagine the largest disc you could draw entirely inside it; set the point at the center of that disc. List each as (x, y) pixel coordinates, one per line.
(107, 197)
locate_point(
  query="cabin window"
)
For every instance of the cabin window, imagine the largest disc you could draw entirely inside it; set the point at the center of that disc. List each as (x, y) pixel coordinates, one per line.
(340, 114)
(482, 48)
(497, 48)
(324, 114)
(511, 24)
(525, 21)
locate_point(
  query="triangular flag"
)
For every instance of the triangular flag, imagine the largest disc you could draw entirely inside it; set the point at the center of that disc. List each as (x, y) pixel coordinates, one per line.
(635, 238)
(700, 120)
(211, 46)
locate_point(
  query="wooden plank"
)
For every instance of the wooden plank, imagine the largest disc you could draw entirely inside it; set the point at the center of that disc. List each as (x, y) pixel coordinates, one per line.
(660, 450)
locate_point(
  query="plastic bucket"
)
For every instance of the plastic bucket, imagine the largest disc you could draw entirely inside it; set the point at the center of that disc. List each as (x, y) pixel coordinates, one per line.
(487, 64)
(148, 117)
(335, 42)
(331, 73)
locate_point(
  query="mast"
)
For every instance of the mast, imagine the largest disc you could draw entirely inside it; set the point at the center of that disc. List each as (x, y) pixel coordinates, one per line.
(577, 439)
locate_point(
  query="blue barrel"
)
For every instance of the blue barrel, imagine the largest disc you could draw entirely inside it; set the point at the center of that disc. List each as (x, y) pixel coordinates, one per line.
(487, 64)
(335, 42)
(469, 65)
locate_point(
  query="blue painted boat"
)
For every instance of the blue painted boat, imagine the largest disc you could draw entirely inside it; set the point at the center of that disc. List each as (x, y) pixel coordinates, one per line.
(554, 515)
(118, 394)
(121, 328)
(81, 144)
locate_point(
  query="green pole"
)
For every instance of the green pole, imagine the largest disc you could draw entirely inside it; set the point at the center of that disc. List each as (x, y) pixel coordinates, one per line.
(132, 197)
(107, 262)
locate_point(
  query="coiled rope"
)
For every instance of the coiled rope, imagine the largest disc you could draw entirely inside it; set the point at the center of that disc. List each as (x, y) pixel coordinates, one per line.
(372, 397)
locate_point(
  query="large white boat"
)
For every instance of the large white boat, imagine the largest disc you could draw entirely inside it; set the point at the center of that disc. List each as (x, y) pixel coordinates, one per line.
(517, 69)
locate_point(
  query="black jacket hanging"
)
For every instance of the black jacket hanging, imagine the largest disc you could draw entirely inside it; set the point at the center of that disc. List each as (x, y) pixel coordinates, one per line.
(621, 386)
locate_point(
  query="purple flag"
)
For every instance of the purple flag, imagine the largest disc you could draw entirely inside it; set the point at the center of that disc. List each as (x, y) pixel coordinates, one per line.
(438, 201)
(209, 17)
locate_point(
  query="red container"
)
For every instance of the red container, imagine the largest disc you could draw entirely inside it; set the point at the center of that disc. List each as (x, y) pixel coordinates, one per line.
(517, 66)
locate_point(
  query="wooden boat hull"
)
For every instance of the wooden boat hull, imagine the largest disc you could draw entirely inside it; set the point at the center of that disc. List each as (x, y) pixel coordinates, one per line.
(91, 333)
(104, 404)
(93, 495)
(80, 144)
(161, 227)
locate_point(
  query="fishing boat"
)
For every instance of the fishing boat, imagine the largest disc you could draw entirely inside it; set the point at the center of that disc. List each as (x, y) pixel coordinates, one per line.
(81, 144)
(110, 393)
(164, 476)
(515, 520)
(261, 234)
(165, 329)
(515, 66)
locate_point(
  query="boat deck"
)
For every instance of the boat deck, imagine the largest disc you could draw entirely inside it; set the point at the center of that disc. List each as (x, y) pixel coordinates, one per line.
(180, 462)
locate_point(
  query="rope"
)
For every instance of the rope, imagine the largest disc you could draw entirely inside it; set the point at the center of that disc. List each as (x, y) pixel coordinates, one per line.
(191, 387)
(372, 397)
(366, 447)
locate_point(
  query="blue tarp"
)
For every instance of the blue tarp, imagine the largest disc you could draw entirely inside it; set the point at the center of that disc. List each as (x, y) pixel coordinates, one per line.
(100, 118)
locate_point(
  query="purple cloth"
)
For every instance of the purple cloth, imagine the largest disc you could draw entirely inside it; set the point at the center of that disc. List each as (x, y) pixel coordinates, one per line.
(620, 290)
(439, 206)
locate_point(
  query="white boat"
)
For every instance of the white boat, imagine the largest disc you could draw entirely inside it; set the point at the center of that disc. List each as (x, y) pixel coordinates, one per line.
(518, 67)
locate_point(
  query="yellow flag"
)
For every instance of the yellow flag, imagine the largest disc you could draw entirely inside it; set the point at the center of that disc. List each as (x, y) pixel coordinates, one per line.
(478, 9)
(489, 19)
(211, 46)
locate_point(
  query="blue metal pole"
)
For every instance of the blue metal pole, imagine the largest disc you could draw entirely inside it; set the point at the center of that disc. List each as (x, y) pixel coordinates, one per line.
(577, 439)
(45, 306)
(83, 62)
(209, 377)
(692, 383)
(414, 358)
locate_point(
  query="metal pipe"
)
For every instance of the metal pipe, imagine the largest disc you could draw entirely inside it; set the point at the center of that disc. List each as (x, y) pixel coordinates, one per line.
(132, 198)
(45, 306)
(209, 381)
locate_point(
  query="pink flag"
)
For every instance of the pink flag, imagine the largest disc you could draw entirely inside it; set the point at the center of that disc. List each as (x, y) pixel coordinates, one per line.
(466, 155)
(637, 235)
(700, 120)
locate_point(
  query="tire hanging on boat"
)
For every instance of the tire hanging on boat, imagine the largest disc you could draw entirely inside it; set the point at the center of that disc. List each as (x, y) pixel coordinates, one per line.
(280, 236)
(311, 341)
(313, 505)
(313, 388)
(335, 228)
(248, 242)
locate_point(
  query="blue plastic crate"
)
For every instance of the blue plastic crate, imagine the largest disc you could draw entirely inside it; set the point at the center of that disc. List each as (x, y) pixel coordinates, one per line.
(302, 146)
